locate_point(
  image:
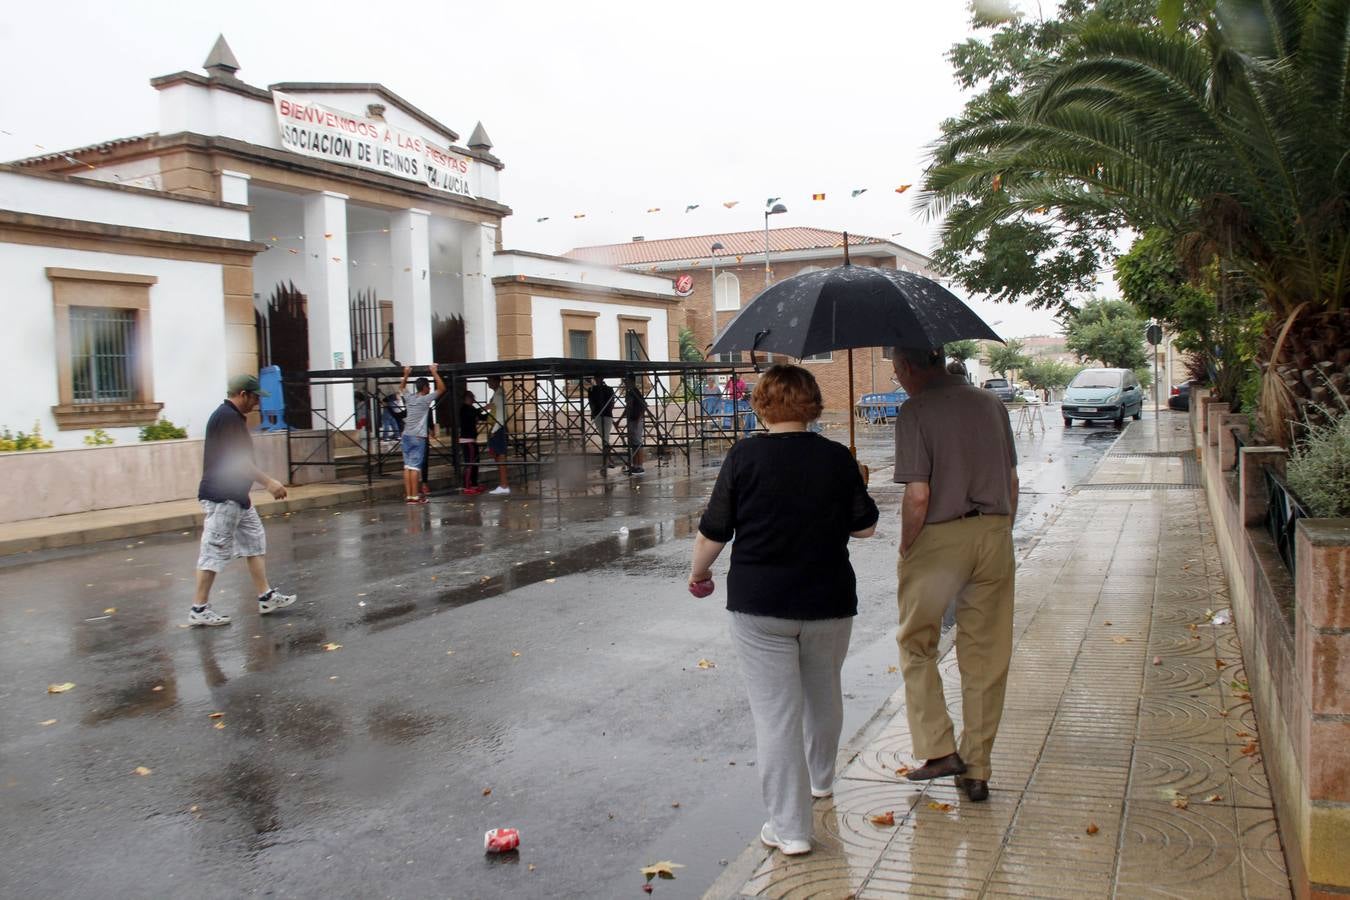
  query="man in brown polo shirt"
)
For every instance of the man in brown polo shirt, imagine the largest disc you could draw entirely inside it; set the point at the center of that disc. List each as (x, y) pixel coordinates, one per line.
(954, 453)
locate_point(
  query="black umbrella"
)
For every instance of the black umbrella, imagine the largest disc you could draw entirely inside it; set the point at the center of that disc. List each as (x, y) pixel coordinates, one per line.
(851, 306)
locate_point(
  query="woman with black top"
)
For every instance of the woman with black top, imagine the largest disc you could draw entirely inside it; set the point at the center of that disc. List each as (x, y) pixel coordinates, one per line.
(791, 499)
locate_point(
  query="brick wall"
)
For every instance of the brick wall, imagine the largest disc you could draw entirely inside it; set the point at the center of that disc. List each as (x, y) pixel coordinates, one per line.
(871, 372)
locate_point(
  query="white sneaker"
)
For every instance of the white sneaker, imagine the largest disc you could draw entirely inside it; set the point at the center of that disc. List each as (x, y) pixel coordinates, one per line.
(826, 791)
(277, 601)
(500, 489)
(207, 616)
(788, 848)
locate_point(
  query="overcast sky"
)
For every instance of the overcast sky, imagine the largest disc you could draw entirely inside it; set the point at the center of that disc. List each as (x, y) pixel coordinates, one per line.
(606, 109)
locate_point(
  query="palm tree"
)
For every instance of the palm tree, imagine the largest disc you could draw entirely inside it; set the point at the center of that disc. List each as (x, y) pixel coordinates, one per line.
(1235, 139)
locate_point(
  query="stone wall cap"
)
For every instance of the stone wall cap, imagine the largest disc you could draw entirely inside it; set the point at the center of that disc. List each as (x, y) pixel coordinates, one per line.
(1325, 532)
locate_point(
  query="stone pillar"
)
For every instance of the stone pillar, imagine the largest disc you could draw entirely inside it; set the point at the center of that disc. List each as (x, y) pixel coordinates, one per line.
(1227, 446)
(327, 304)
(410, 254)
(1214, 413)
(480, 303)
(1322, 650)
(1196, 409)
(1254, 497)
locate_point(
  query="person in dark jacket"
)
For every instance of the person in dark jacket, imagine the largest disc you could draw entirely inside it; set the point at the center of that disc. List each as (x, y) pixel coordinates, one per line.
(600, 398)
(232, 528)
(635, 419)
(469, 417)
(791, 498)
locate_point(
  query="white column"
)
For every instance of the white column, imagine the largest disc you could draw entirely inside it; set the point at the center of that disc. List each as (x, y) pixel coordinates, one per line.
(410, 253)
(330, 331)
(480, 301)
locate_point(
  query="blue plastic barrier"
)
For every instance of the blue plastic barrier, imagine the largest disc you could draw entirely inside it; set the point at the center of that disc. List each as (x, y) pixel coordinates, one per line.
(273, 406)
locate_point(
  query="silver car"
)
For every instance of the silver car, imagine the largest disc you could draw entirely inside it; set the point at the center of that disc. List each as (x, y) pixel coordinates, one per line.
(1103, 395)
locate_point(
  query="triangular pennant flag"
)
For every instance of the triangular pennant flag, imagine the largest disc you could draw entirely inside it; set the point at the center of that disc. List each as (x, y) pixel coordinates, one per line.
(902, 188)
(817, 196)
(730, 203)
(542, 219)
(691, 206)
(859, 191)
(654, 209)
(579, 216)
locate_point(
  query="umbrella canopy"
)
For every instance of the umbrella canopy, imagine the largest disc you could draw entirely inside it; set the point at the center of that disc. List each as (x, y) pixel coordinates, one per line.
(852, 306)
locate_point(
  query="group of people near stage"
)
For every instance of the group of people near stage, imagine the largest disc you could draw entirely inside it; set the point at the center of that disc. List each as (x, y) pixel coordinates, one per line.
(789, 501)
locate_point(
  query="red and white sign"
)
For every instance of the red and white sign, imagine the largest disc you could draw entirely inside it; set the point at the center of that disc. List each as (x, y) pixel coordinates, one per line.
(684, 285)
(317, 131)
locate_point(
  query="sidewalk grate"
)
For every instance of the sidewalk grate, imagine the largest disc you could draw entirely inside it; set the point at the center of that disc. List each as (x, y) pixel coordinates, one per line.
(1139, 487)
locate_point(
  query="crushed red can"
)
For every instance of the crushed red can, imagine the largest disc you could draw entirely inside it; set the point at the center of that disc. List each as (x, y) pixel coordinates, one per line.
(500, 840)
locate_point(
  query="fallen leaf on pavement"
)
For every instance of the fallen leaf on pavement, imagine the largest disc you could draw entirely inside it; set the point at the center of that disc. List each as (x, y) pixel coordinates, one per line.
(1213, 798)
(1242, 734)
(902, 771)
(332, 646)
(110, 610)
(675, 805)
(1192, 626)
(487, 791)
(484, 580)
(550, 581)
(706, 664)
(531, 867)
(1250, 748)
(1219, 664)
(157, 688)
(886, 818)
(216, 715)
(1120, 640)
(142, 770)
(664, 869)
(1181, 802)
(60, 688)
(940, 807)
(220, 726)
(1106, 623)
(1092, 828)
(515, 652)
(891, 670)
(48, 722)
(449, 653)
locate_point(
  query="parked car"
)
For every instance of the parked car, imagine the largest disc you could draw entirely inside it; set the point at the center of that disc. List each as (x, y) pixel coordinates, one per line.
(1030, 395)
(1180, 397)
(1000, 386)
(1103, 395)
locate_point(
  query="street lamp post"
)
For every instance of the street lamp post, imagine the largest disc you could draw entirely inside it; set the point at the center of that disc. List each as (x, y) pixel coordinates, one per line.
(713, 250)
(777, 208)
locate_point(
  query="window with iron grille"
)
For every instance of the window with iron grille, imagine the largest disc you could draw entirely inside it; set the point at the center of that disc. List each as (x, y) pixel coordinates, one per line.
(103, 354)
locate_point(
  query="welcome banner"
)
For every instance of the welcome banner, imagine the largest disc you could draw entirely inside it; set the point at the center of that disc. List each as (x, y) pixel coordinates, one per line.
(321, 132)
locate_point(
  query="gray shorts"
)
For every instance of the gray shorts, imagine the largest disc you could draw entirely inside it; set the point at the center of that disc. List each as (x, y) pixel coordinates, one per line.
(229, 532)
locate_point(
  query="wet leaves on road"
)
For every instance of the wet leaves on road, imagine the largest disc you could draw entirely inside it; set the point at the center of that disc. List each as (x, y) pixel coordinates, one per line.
(892, 670)
(142, 770)
(1092, 828)
(902, 771)
(110, 611)
(1179, 800)
(1119, 639)
(886, 819)
(706, 664)
(157, 688)
(663, 869)
(220, 726)
(216, 715)
(487, 792)
(332, 646)
(940, 807)
(1250, 749)
(515, 652)
(60, 688)
(47, 722)
(1214, 798)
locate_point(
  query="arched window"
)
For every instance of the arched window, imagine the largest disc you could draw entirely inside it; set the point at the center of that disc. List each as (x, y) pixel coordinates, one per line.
(727, 292)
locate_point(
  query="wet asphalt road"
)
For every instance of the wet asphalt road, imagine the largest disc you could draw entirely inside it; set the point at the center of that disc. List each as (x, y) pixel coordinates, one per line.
(511, 662)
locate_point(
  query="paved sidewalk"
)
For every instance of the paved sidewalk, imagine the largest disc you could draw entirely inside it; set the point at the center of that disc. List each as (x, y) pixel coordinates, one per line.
(1127, 763)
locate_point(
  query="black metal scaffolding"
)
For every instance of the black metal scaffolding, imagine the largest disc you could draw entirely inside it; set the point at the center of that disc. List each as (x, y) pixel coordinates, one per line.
(548, 418)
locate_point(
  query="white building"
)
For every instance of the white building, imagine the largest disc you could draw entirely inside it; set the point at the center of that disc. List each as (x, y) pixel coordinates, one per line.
(378, 236)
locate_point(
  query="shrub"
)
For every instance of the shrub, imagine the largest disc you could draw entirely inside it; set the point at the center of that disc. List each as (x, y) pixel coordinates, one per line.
(99, 438)
(1319, 465)
(11, 441)
(163, 430)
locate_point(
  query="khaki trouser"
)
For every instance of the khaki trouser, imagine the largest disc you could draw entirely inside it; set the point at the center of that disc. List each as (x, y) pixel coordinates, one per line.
(970, 560)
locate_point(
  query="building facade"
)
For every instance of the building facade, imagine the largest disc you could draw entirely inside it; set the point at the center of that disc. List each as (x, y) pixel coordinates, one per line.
(740, 270)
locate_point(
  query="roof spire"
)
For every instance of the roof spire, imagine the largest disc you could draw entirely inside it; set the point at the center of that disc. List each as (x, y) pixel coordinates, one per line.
(221, 62)
(479, 140)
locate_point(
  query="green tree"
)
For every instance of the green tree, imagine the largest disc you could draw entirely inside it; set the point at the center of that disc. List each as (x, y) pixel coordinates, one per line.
(962, 350)
(1004, 358)
(1048, 374)
(1230, 135)
(689, 351)
(1107, 331)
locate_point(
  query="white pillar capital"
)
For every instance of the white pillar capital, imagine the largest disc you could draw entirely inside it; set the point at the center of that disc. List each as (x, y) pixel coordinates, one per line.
(234, 187)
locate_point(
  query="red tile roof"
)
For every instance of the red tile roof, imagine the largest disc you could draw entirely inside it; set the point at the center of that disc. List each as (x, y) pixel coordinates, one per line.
(737, 243)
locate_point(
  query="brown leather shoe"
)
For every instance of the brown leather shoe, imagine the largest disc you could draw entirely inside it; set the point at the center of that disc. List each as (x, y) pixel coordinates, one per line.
(950, 764)
(977, 789)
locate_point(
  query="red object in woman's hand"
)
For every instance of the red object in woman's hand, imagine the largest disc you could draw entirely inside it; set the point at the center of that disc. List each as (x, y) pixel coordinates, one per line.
(702, 588)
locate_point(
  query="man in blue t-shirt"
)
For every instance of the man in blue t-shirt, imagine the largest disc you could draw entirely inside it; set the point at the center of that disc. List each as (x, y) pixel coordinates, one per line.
(232, 527)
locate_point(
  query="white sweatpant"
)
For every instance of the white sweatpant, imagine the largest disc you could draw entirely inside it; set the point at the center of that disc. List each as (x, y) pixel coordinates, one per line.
(792, 675)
